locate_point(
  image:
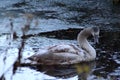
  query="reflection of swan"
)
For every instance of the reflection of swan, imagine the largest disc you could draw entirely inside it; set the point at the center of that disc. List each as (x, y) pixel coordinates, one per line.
(80, 71)
(85, 70)
(69, 54)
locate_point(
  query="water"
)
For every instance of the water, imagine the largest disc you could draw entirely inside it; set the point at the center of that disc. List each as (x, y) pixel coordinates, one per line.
(55, 22)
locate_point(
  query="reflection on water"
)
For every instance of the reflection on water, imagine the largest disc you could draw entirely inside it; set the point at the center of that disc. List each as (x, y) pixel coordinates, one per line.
(83, 71)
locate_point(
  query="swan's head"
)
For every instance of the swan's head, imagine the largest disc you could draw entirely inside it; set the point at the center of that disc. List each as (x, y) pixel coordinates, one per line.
(95, 34)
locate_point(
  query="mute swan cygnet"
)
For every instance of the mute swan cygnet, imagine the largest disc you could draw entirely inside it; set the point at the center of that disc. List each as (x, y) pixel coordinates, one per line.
(69, 53)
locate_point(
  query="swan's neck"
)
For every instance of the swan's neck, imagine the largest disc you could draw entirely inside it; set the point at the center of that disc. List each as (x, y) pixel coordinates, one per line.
(84, 44)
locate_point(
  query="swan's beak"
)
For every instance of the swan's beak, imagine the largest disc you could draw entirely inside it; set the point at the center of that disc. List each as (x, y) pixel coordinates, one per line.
(96, 39)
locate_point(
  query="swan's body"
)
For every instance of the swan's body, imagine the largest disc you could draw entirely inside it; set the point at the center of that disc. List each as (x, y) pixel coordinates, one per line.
(69, 54)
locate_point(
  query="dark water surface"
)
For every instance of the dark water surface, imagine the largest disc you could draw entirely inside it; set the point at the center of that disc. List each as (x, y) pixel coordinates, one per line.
(59, 21)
